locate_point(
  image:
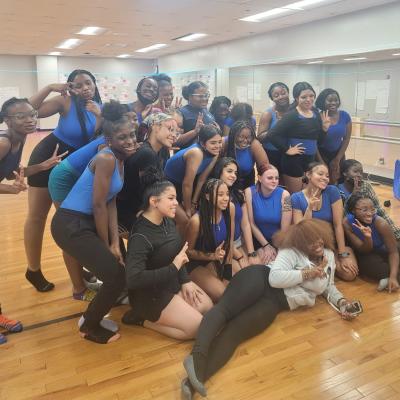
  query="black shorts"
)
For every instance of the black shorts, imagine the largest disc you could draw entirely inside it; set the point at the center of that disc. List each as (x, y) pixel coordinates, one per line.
(42, 152)
(275, 158)
(295, 166)
(327, 156)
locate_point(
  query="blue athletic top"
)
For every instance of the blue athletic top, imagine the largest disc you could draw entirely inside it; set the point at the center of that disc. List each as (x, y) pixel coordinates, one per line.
(79, 159)
(190, 115)
(267, 211)
(336, 133)
(329, 196)
(10, 162)
(244, 158)
(175, 168)
(238, 220)
(80, 198)
(69, 130)
(274, 119)
(219, 234)
(377, 240)
(229, 122)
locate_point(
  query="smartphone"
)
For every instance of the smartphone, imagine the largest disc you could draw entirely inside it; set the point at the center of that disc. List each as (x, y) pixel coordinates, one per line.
(354, 308)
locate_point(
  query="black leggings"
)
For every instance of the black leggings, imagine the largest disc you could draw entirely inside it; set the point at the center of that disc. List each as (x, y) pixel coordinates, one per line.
(76, 234)
(248, 306)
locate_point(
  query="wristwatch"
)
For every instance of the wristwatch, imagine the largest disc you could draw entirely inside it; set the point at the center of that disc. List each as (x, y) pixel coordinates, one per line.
(344, 254)
(252, 254)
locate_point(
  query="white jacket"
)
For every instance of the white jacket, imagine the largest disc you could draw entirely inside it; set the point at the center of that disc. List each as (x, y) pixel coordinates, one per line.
(286, 274)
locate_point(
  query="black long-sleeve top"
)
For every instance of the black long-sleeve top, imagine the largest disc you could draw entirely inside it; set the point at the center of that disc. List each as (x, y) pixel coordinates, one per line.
(151, 250)
(293, 128)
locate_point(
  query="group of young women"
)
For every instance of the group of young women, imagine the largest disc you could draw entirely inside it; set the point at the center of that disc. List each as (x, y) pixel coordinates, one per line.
(205, 237)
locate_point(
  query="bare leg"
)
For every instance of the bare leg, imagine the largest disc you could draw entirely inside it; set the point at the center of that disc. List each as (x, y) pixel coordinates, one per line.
(292, 184)
(207, 279)
(181, 220)
(341, 272)
(178, 320)
(39, 204)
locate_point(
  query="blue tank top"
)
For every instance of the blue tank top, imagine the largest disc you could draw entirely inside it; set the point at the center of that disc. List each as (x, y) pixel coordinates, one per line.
(79, 159)
(69, 130)
(267, 211)
(274, 119)
(10, 162)
(336, 133)
(238, 220)
(80, 198)
(244, 158)
(175, 168)
(377, 240)
(329, 196)
(219, 231)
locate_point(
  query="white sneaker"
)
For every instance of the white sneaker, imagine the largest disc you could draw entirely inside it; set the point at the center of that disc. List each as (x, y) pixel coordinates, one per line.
(383, 284)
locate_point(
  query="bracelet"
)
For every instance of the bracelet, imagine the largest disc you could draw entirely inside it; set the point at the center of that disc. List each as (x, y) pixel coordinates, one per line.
(265, 245)
(306, 274)
(238, 259)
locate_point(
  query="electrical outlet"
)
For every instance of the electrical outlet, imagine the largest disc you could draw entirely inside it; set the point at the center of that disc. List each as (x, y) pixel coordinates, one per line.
(381, 161)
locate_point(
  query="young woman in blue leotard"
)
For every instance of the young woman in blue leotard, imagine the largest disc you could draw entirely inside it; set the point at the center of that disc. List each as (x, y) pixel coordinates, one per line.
(80, 118)
(333, 148)
(278, 92)
(244, 147)
(322, 201)
(227, 169)
(189, 168)
(62, 179)
(269, 208)
(209, 234)
(86, 227)
(373, 242)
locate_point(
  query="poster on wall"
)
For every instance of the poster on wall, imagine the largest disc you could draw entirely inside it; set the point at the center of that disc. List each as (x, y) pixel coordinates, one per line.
(360, 96)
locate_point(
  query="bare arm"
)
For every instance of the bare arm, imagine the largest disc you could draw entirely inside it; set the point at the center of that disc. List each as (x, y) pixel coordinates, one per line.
(113, 222)
(259, 153)
(246, 228)
(103, 171)
(362, 246)
(263, 126)
(202, 179)
(58, 104)
(337, 214)
(286, 219)
(345, 142)
(186, 138)
(193, 159)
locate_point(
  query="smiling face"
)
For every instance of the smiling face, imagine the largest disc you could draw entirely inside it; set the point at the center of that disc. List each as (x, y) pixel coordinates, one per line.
(280, 96)
(365, 211)
(269, 179)
(243, 139)
(84, 86)
(222, 197)
(199, 98)
(306, 99)
(123, 142)
(318, 177)
(149, 90)
(229, 174)
(166, 203)
(213, 145)
(316, 249)
(166, 94)
(165, 132)
(332, 102)
(222, 112)
(21, 118)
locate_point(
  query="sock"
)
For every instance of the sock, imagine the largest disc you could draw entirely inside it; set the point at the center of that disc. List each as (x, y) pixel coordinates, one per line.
(199, 362)
(3, 339)
(97, 334)
(37, 279)
(105, 323)
(10, 324)
(85, 295)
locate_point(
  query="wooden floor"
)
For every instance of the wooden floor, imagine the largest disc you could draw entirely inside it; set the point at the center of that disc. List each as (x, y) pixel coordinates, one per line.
(305, 354)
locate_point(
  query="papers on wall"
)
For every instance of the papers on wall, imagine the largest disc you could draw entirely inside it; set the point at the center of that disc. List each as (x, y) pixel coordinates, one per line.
(7, 92)
(382, 97)
(254, 91)
(360, 96)
(241, 93)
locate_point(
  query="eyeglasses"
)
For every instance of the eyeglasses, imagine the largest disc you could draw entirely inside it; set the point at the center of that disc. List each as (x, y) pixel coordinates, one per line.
(202, 96)
(367, 210)
(24, 116)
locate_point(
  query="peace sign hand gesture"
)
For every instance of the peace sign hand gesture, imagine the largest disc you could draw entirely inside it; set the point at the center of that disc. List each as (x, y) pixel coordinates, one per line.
(219, 253)
(326, 121)
(199, 122)
(365, 230)
(19, 184)
(315, 199)
(53, 160)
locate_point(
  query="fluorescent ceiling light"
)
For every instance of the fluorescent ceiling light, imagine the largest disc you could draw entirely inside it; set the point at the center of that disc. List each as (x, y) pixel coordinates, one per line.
(151, 48)
(190, 37)
(316, 62)
(55, 53)
(396, 54)
(91, 30)
(124, 56)
(354, 58)
(69, 43)
(297, 6)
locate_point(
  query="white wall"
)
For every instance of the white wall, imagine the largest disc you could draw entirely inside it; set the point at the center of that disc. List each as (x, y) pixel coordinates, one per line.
(369, 30)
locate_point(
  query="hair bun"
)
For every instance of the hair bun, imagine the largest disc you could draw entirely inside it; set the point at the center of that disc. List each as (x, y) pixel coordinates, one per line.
(185, 92)
(151, 175)
(113, 111)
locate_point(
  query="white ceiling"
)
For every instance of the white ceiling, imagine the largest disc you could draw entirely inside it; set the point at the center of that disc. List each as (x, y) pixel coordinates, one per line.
(36, 27)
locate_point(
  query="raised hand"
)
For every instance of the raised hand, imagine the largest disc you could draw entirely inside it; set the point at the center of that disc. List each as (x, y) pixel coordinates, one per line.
(393, 285)
(326, 120)
(199, 122)
(93, 107)
(181, 258)
(315, 199)
(53, 160)
(294, 150)
(365, 230)
(62, 88)
(219, 252)
(178, 102)
(357, 185)
(19, 184)
(147, 111)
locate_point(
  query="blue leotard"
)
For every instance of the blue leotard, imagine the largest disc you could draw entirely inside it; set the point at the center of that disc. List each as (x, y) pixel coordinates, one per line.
(377, 240)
